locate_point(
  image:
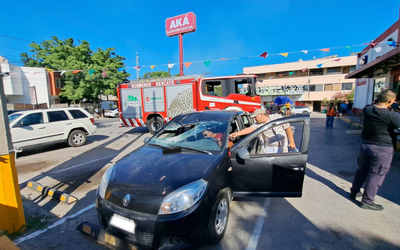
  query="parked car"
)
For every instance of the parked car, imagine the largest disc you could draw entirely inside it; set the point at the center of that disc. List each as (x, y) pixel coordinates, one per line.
(112, 113)
(14, 111)
(300, 110)
(175, 190)
(43, 126)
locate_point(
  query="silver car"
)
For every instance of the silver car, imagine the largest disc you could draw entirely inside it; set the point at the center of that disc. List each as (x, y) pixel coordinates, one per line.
(300, 110)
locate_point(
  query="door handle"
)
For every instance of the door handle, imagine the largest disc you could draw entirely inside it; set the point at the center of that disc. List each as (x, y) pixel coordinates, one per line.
(69, 123)
(42, 128)
(296, 167)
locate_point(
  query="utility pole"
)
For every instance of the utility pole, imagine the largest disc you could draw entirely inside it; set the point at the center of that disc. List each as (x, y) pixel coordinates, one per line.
(169, 70)
(12, 216)
(137, 66)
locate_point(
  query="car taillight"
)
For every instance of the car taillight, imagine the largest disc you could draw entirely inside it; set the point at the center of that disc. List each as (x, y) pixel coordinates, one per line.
(92, 120)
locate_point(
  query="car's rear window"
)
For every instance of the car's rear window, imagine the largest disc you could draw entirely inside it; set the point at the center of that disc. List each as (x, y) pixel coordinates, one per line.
(76, 114)
(55, 116)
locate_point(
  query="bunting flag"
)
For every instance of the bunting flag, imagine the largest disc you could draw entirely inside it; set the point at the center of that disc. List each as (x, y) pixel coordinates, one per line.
(300, 60)
(392, 44)
(280, 74)
(91, 71)
(326, 50)
(50, 70)
(348, 47)
(305, 51)
(121, 69)
(224, 59)
(378, 49)
(337, 60)
(372, 43)
(187, 64)
(244, 57)
(291, 73)
(354, 53)
(207, 63)
(137, 67)
(62, 72)
(104, 73)
(170, 65)
(265, 54)
(76, 71)
(152, 66)
(284, 54)
(304, 70)
(319, 65)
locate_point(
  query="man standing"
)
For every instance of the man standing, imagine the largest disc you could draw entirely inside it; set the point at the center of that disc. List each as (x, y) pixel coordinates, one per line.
(376, 149)
(273, 108)
(330, 116)
(274, 140)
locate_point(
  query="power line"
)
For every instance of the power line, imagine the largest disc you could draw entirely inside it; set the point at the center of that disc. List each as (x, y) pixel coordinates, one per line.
(17, 38)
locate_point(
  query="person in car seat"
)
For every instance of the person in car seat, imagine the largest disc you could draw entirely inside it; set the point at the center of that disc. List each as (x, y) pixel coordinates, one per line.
(274, 140)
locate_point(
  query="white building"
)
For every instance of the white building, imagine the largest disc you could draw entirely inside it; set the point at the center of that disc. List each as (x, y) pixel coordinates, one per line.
(305, 82)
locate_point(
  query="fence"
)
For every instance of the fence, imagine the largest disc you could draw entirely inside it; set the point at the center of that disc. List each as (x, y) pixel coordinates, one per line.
(355, 120)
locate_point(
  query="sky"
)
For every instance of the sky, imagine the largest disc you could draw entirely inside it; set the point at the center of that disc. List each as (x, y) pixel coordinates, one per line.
(237, 32)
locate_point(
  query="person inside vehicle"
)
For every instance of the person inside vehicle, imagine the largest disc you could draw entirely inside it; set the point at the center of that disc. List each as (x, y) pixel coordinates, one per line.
(274, 140)
(210, 90)
(217, 137)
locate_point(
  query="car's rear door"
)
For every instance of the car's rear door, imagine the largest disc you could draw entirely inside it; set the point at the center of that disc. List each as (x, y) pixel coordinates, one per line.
(59, 125)
(274, 174)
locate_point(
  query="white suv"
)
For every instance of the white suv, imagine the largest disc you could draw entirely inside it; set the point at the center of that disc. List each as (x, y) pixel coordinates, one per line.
(300, 110)
(43, 126)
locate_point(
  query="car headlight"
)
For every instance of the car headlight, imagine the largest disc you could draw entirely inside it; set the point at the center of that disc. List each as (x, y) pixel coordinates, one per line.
(183, 198)
(104, 181)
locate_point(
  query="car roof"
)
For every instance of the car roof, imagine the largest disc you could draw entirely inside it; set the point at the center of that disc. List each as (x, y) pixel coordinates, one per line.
(208, 115)
(50, 109)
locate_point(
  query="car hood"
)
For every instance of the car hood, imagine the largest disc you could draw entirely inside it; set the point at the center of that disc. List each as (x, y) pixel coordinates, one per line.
(153, 171)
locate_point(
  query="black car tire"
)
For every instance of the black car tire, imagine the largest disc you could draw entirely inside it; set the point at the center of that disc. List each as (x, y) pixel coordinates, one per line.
(219, 218)
(305, 113)
(116, 115)
(77, 138)
(154, 124)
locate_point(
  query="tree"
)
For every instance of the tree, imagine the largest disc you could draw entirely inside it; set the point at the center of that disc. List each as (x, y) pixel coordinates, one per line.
(99, 73)
(156, 74)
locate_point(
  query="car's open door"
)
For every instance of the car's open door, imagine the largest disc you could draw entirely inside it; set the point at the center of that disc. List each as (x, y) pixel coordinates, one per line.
(256, 173)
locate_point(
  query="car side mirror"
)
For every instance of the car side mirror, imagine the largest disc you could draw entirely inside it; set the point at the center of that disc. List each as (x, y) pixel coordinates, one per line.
(146, 139)
(243, 153)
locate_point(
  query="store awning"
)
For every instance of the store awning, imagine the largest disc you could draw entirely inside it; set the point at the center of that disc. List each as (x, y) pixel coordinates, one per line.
(379, 66)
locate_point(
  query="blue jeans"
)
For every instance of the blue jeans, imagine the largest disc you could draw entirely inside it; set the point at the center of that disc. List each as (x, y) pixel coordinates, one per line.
(329, 121)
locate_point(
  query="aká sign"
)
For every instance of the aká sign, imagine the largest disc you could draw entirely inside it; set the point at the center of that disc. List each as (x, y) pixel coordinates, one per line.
(180, 24)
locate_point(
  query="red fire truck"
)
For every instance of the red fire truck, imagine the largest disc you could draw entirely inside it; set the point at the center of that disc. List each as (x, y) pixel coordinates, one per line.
(153, 102)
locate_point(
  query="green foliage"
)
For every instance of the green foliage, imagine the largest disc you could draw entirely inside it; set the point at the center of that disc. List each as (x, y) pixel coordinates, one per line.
(156, 74)
(60, 55)
(339, 97)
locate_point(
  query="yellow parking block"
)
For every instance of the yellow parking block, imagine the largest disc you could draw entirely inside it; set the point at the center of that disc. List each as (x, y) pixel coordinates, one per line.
(7, 244)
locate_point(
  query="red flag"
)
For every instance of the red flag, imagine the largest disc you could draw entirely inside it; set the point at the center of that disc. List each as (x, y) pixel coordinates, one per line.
(76, 71)
(337, 60)
(265, 54)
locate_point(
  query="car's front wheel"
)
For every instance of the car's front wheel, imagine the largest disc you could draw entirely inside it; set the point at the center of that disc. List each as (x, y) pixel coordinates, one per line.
(305, 113)
(77, 138)
(219, 218)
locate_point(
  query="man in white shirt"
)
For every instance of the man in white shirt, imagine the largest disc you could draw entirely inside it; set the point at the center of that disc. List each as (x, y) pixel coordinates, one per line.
(274, 140)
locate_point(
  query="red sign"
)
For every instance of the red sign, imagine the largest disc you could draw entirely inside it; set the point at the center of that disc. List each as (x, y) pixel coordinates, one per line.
(180, 24)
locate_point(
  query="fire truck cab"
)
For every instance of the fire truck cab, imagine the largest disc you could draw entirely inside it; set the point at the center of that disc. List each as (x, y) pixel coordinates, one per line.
(153, 102)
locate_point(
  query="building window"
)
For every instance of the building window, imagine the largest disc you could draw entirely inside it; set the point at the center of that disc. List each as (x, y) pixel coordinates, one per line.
(328, 87)
(286, 73)
(347, 86)
(58, 83)
(316, 72)
(334, 70)
(314, 87)
(337, 87)
(352, 68)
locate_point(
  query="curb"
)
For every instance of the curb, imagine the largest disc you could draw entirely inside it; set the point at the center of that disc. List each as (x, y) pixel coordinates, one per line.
(99, 234)
(53, 193)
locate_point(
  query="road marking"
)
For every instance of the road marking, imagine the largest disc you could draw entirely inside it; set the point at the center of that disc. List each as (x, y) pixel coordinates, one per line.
(84, 163)
(259, 225)
(55, 224)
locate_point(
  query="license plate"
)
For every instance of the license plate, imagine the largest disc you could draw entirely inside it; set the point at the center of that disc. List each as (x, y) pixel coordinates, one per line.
(123, 223)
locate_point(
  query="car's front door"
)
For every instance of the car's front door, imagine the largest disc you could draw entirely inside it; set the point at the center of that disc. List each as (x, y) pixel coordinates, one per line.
(258, 172)
(29, 130)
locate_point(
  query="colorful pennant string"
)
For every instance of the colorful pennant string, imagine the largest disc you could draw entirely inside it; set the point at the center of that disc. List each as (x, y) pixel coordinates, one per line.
(326, 50)
(104, 73)
(264, 55)
(187, 64)
(91, 71)
(319, 65)
(284, 54)
(152, 66)
(170, 65)
(207, 63)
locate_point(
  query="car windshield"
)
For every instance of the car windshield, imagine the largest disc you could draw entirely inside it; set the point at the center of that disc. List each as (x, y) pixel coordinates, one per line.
(207, 137)
(12, 117)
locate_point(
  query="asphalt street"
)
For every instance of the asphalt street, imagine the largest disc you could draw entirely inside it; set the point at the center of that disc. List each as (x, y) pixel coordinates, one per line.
(324, 218)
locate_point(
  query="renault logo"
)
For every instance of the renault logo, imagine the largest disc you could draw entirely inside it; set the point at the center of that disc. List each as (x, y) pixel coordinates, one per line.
(126, 200)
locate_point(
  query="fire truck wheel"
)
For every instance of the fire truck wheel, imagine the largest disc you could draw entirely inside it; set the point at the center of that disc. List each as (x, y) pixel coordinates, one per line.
(154, 124)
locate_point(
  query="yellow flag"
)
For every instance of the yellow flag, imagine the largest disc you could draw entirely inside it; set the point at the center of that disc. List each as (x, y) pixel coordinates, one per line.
(152, 66)
(49, 69)
(284, 54)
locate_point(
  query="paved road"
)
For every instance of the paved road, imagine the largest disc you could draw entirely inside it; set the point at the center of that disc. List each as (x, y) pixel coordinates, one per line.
(324, 218)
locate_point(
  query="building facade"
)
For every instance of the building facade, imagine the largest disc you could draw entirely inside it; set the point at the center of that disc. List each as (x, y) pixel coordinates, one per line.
(30, 85)
(306, 83)
(378, 68)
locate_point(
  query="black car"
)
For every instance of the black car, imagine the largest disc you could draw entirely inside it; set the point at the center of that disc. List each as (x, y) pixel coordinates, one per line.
(175, 190)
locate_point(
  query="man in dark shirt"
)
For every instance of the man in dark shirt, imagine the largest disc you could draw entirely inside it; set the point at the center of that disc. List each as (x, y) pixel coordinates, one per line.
(376, 149)
(273, 108)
